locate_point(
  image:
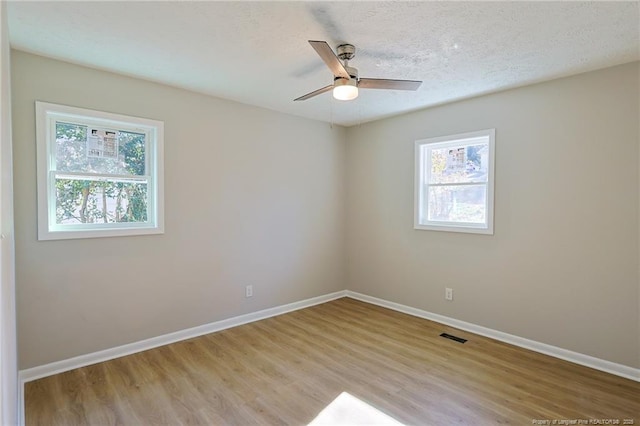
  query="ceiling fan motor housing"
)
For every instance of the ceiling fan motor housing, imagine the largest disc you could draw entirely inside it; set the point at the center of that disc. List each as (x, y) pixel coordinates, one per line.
(353, 73)
(346, 51)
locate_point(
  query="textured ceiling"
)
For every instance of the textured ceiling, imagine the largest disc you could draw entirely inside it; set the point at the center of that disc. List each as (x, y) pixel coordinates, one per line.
(257, 52)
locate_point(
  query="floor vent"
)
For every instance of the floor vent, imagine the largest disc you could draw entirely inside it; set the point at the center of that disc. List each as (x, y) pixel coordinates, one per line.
(456, 338)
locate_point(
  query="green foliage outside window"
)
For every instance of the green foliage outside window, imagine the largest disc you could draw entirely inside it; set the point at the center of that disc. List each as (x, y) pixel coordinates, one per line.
(89, 196)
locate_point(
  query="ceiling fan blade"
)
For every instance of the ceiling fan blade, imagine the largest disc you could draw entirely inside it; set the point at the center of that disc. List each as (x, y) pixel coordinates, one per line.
(329, 58)
(314, 93)
(382, 83)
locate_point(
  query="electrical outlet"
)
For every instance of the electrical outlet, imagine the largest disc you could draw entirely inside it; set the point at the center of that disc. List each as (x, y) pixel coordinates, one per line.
(448, 294)
(248, 291)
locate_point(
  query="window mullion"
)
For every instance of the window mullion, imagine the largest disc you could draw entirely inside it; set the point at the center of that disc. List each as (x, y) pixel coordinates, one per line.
(457, 184)
(99, 176)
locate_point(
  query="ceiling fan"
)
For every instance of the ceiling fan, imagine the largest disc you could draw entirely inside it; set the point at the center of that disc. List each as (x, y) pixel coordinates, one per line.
(345, 78)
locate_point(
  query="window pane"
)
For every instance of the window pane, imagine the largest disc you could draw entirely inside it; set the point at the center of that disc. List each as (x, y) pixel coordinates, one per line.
(70, 147)
(80, 148)
(132, 150)
(80, 201)
(460, 164)
(457, 203)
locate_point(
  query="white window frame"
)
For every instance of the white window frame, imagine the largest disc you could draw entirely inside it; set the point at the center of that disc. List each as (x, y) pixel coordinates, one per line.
(47, 114)
(423, 168)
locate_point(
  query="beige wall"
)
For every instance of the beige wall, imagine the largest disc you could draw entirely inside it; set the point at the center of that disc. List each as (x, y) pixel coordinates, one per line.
(257, 197)
(251, 197)
(562, 267)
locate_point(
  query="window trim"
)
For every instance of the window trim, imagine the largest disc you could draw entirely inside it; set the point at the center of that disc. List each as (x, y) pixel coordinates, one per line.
(46, 116)
(419, 205)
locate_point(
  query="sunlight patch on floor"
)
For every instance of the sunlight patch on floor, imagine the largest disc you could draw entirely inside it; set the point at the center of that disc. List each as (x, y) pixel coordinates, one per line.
(346, 409)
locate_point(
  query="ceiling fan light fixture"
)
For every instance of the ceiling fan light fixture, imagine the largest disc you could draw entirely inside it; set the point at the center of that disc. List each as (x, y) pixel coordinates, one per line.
(345, 89)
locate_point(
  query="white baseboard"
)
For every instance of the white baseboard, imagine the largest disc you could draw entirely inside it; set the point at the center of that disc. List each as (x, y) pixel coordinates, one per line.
(154, 342)
(41, 371)
(105, 355)
(554, 351)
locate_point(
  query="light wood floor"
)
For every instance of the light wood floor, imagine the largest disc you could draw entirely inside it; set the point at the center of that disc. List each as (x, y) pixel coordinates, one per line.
(286, 369)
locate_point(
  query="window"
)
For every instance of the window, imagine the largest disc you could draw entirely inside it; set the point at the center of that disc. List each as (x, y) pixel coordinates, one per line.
(99, 174)
(454, 183)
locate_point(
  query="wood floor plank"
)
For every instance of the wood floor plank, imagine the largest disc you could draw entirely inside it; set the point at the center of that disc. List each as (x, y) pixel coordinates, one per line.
(287, 369)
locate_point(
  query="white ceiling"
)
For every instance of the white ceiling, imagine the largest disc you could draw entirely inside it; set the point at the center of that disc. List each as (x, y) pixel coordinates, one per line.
(257, 52)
